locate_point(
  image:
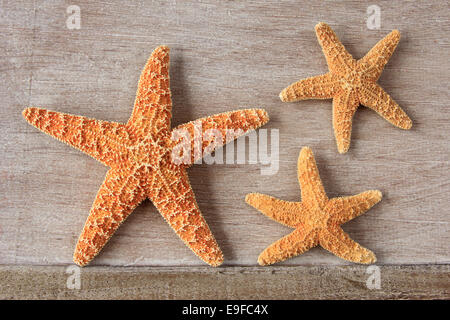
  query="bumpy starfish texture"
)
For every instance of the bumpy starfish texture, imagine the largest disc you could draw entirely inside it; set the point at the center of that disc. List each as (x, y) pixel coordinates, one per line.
(350, 83)
(316, 218)
(139, 154)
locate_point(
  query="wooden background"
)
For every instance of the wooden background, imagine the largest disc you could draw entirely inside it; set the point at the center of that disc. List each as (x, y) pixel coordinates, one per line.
(224, 55)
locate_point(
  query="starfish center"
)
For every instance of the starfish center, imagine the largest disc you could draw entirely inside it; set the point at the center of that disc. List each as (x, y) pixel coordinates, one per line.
(352, 80)
(149, 152)
(316, 218)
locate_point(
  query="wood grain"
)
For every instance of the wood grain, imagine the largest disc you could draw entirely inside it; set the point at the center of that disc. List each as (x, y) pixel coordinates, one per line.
(199, 283)
(224, 55)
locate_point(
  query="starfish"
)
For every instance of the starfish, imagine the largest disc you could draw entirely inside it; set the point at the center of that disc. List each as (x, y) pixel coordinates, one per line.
(139, 156)
(350, 83)
(316, 218)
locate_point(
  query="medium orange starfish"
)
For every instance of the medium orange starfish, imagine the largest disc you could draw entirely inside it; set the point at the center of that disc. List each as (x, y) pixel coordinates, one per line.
(350, 83)
(316, 219)
(139, 156)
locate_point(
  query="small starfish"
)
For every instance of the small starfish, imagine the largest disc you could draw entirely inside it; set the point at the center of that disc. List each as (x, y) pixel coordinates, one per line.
(139, 156)
(350, 83)
(316, 219)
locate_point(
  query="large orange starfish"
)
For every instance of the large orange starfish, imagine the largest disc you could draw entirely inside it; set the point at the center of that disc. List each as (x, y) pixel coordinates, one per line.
(139, 154)
(350, 83)
(316, 218)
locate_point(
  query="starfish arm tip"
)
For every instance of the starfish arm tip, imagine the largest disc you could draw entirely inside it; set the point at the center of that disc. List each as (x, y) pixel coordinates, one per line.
(25, 112)
(408, 125)
(343, 146)
(320, 25)
(306, 152)
(264, 115)
(289, 95)
(396, 34)
(216, 262)
(28, 112)
(369, 258)
(405, 123)
(342, 142)
(323, 31)
(262, 261)
(163, 48)
(342, 149)
(80, 262)
(378, 195)
(284, 95)
(252, 199)
(306, 149)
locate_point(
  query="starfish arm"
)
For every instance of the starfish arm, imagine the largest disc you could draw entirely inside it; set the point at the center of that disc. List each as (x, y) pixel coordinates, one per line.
(295, 243)
(224, 127)
(172, 195)
(372, 64)
(374, 97)
(118, 196)
(153, 105)
(344, 209)
(340, 244)
(104, 141)
(338, 59)
(284, 212)
(311, 186)
(344, 107)
(318, 87)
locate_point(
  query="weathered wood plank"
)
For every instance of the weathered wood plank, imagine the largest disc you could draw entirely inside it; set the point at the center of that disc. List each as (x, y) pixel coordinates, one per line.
(224, 55)
(319, 282)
